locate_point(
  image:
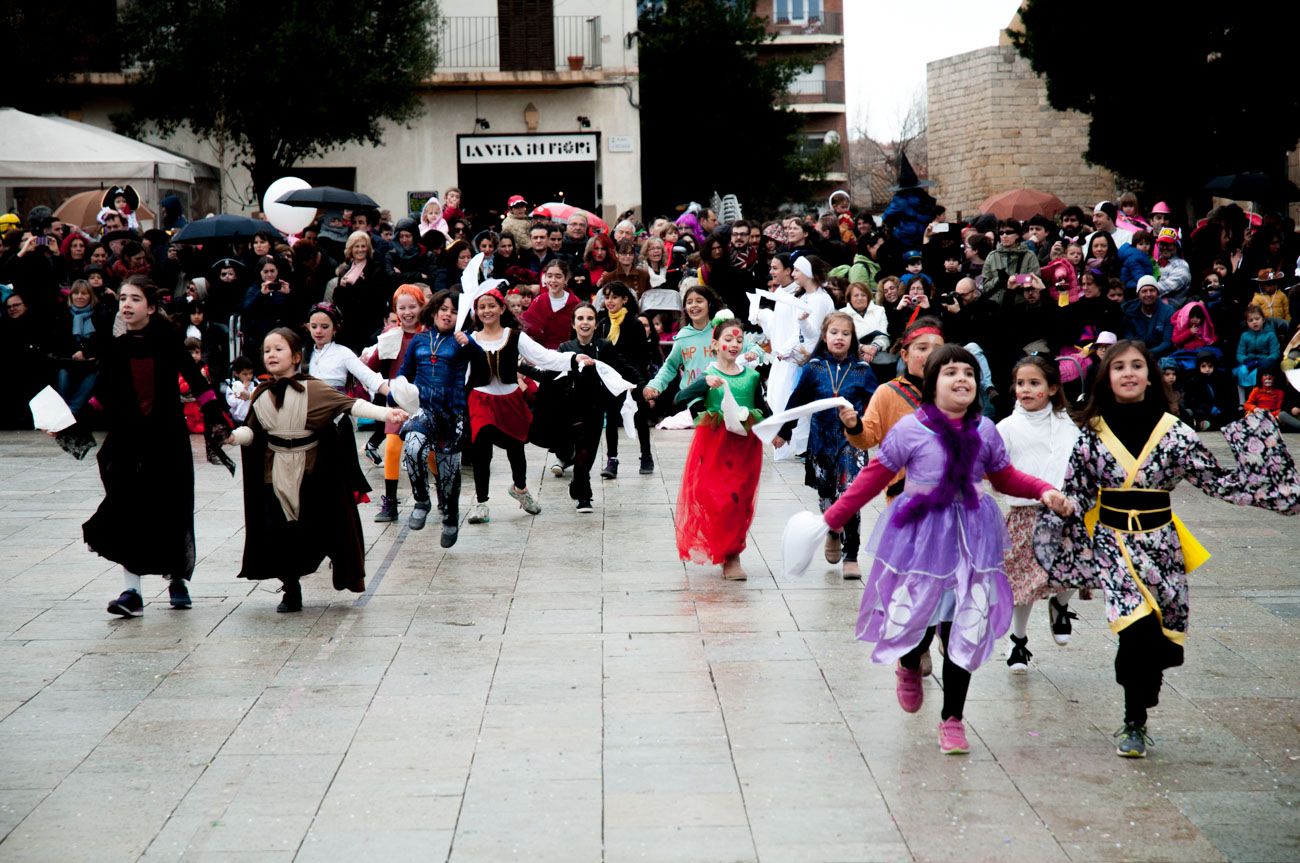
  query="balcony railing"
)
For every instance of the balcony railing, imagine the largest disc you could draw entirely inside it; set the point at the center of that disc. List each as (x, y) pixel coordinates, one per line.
(474, 43)
(804, 92)
(829, 24)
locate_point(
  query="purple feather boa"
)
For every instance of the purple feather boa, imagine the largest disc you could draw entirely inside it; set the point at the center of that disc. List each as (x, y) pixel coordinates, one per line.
(961, 449)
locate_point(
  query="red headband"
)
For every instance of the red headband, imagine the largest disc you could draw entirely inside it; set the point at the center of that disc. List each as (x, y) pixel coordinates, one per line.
(923, 331)
(491, 292)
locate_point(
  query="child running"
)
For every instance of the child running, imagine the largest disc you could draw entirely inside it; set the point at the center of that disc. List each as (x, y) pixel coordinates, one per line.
(720, 481)
(832, 462)
(1039, 437)
(939, 547)
(298, 503)
(1131, 454)
(435, 361)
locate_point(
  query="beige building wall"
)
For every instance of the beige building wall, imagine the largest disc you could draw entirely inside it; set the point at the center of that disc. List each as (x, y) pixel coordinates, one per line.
(991, 130)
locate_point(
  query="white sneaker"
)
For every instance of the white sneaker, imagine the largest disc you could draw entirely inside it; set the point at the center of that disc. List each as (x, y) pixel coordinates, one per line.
(557, 469)
(479, 514)
(526, 500)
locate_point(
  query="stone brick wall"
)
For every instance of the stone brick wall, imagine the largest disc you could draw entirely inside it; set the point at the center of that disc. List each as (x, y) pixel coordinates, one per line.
(991, 130)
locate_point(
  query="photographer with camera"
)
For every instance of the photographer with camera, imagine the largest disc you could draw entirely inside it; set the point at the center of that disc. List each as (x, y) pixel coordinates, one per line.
(1011, 258)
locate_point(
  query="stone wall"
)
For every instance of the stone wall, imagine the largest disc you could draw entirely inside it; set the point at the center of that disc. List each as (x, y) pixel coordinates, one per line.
(991, 130)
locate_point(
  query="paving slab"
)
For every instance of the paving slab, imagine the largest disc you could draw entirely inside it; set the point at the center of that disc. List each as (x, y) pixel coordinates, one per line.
(562, 688)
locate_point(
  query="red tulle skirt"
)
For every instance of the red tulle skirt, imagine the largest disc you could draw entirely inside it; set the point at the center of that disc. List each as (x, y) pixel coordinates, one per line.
(719, 492)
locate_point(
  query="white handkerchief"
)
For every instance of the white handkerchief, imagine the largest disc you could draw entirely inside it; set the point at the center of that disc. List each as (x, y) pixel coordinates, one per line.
(472, 293)
(469, 278)
(406, 394)
(733, 415)
(389, 343)
(783, 297)
(767, 429)
(1294, 377)
(50, 412)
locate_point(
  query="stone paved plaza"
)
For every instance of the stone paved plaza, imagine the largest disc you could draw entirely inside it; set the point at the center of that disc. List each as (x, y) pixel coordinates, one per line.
(560, 688)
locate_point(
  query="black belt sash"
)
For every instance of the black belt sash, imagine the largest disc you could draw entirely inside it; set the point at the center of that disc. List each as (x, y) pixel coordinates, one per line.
(1134, 510)
(294, 443)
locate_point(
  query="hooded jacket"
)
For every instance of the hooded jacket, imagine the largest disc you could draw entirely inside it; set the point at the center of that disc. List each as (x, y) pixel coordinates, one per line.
(1156, 330)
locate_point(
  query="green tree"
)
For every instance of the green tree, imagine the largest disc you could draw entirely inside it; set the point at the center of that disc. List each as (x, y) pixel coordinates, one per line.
(1200, 93)
(276, 83)
(713, 109)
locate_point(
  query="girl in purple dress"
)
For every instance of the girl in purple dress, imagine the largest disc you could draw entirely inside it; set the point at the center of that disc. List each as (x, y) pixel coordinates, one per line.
(940, 545)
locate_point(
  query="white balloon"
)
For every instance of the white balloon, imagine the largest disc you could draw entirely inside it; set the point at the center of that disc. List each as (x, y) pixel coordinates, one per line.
(287, 219)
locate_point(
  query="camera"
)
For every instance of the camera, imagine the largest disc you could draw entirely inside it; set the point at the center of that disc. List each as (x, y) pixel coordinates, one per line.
(1023, 280)
(947, 299)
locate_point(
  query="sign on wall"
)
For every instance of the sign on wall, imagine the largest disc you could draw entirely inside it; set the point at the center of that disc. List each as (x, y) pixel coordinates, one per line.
(504, 149)
(415, 200)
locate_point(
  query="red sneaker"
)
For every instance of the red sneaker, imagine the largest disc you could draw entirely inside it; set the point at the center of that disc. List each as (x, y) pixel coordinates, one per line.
(909, 691)
(952, 737)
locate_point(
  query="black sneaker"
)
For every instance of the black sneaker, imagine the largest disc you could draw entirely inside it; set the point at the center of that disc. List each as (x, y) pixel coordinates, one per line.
(178, 593)
(611, 469)
(1018, 659)
(1059, 617)
(387, 509)
(292, 600)
(449, 534)
(1133, 741)
(584, 506)
(419, 515)
(647, 465)
(129, 604)
(372, 453)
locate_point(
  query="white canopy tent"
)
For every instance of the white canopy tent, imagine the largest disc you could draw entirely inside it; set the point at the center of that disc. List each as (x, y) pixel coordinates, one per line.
(55, 151)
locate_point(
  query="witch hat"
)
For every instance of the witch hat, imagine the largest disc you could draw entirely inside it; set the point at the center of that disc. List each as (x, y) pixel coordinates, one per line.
(907, 178)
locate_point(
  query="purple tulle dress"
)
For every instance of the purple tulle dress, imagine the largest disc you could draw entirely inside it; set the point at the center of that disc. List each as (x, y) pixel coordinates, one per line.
(946, 565)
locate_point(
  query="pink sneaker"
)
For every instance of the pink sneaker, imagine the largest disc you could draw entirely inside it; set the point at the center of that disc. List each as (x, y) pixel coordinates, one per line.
(909, 691)
(952, 737)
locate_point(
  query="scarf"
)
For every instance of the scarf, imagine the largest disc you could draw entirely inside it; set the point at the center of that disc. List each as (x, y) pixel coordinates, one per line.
(82, 324)
(615, 323)
(659, 278)
(282, 412)
(961, 444)
(354, 273)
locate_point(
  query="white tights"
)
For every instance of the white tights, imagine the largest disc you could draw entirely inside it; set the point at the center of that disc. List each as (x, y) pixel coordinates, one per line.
(1020, 615)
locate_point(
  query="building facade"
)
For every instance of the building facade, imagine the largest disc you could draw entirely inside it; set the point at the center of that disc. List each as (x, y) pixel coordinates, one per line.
(814, 29)
(530, 97)
(990, 130)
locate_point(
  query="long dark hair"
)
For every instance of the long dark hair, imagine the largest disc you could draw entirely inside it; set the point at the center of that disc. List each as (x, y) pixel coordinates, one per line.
(944, 355)
(1158, 399)
(619, 289)
(711, 299)
(843, 317)
(1051, 373)
(507, 317)
(429, 313)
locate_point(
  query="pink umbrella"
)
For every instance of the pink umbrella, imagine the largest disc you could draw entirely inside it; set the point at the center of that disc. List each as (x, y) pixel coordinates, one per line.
(561, 212)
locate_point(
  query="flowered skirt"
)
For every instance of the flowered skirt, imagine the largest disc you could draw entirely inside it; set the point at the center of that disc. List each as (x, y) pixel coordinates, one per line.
(1028, 579)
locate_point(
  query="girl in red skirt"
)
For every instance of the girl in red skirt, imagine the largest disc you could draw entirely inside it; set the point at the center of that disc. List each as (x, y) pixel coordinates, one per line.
(499, 415)
(720, 480)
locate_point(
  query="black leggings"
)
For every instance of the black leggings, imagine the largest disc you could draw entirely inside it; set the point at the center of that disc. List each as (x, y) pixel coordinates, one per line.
(489, 437)
(956, 680)
(585, 441)
(614, 424)
(1144, 653)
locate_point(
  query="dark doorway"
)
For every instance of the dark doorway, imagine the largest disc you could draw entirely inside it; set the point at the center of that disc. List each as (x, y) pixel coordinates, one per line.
(487, 187)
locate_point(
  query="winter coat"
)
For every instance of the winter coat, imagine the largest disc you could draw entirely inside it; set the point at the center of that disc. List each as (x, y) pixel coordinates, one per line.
(1002, 264)
(1133, 265)
(1156, 331)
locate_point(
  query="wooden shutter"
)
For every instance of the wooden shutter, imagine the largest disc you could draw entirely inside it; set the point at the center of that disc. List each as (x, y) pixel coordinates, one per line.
(526, 31)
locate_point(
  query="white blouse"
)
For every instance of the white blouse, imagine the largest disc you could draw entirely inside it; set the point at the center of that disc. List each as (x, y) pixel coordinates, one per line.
(529, 351)
(332, 363)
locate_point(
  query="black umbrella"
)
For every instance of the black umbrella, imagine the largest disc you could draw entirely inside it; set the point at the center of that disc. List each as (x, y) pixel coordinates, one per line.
(1253, 186)
(327, 196)
(228, 227)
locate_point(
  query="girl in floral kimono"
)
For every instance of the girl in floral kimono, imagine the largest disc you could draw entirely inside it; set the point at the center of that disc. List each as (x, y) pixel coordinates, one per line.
(1131, 454)
(939, 549)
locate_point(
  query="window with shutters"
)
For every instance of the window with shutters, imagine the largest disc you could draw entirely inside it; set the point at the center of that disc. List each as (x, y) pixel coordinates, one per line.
(527, 35)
